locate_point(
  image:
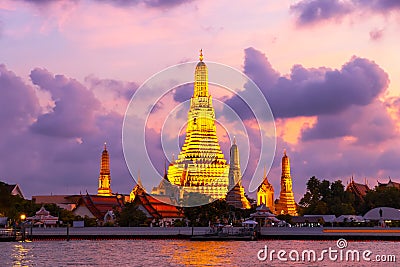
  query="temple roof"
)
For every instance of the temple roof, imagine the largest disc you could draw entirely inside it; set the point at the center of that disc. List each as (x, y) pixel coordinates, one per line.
(359, 189)
(266, 186)
(389, 184)
(14, 189)
(99, 205)
(158, 208)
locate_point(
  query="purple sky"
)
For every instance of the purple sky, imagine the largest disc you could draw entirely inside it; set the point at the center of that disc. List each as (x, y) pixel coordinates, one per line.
(328, 68)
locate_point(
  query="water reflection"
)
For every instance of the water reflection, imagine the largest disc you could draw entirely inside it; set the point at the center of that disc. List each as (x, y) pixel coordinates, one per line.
(20, 255)
(202, 253)
(172, 253)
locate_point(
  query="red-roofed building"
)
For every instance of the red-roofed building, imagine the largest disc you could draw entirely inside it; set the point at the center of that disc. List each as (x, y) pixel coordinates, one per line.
(359, 190)
(98, 207)
(162, 208)
(389, 184)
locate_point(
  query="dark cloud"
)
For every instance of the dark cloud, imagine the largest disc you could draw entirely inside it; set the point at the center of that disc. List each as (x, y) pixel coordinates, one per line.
(311, 92)
(312, 11)
(367, 125)
(183, 93)
(259, 69)
(383, 6)
(74, 112)
(18, 102)
(64, 160)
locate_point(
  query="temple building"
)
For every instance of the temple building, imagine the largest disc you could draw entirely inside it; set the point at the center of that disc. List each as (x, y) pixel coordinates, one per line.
(200, 166)
(358, 190)
(236, 196)
(389, 184)
(104, 177)
(286, 204)
(99, 207)
(161, 210)
(265, 194)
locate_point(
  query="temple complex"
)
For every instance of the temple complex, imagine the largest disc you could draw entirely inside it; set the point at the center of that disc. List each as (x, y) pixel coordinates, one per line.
(104, 188)
(200, 166)
(265, 194)
(236, 196)
(286, 204)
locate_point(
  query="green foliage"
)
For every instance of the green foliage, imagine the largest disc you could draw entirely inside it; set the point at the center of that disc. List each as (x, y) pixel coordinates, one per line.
(179, 223)
(381, 197)
(108, 224)
(130, 216)
(13, 206)
(326, 198)
(216, 212)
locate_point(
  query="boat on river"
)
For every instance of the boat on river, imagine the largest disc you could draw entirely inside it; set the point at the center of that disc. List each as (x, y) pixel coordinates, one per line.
(248, 232)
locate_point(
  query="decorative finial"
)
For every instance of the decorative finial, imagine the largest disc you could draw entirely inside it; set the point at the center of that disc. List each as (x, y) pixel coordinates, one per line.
(284, 152)
(265, 171)
(105, 145)
(201, 55)
(234, 140)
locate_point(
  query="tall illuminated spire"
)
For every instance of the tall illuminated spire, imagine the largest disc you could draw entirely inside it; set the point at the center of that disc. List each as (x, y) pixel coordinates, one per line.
(201, 166)
(201, 79)
(236, 196)
(235, 174)
(104, 177)
(286, 204)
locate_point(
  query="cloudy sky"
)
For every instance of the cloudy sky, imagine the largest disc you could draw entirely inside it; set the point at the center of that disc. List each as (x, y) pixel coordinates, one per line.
(329, 69)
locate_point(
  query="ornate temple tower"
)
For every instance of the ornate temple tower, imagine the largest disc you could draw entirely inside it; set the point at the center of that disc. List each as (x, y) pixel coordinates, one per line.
(236, 196)
(286, 204)
(201, 166)
(265, 194)
(104, 178)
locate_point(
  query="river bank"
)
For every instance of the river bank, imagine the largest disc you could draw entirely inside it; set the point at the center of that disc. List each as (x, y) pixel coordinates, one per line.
(266, 233)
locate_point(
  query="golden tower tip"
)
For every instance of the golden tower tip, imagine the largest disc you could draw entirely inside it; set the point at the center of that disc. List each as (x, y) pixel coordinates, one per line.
(284, 152)
(234, 140)
(105, 145)
(201, 55)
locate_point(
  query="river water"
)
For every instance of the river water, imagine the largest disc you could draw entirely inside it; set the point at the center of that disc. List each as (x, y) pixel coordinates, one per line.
(191, 253)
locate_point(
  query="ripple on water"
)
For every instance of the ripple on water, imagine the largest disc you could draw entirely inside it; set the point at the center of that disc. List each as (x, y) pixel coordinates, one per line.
(172, 253)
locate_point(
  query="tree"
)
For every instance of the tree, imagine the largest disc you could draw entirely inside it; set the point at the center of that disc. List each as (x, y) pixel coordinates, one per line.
(381, 196)
(215, 212)
(13, 206)
(326, 198)
(130, 215)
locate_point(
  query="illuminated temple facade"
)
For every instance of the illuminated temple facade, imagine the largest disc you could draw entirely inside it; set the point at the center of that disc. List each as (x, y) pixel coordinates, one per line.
(200, 166)
(265, 194)
(104, 188)
(286, 204)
